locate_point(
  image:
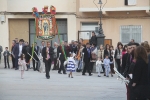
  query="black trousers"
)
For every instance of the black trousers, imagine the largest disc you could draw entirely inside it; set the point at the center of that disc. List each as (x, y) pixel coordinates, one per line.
(118, 64)
(6, 60)
(56, 67)
(48, 67)
(34, 65)
(0, 57)
(13, 61)
(16, 62)
(62, 67)
(86, 68)
(91, 66)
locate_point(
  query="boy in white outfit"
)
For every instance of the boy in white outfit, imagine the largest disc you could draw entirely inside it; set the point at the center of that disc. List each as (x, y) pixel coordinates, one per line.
(107, 65)
(98, 66)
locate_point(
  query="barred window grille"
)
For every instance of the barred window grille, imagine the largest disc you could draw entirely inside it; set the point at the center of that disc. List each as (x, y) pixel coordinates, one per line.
(131, 32)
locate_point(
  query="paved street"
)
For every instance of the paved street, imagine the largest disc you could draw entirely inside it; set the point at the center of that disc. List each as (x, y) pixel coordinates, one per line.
(35, 86)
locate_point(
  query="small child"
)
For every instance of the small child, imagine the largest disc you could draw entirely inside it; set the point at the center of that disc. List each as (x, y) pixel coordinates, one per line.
(71, 65)
(6, 55)
(98, 66)
(107, 65)
(22, 64)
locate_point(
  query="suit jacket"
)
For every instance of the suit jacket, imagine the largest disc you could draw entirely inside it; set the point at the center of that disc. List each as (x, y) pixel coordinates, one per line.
(44, 54)
(16, 50)
(1, 49)
(25, 51)
(86, 55)
(60, 50)
(149, 68)
(107, 53)
(125, 60)
(6, 53)
(37, 53)
(73, 48)
(93, 40)
(41, 48)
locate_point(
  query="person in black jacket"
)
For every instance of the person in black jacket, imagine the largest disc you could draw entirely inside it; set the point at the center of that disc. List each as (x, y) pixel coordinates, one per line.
(93, 39)
(47, 53)
(139, 82)
(27, 49)
(87, 57)
(61, 57)
(35, 53)
(126, 61)
(73, 47)
(118, 56)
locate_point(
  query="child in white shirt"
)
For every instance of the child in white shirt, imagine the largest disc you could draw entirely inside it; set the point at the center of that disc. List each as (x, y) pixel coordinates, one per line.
(98, 66)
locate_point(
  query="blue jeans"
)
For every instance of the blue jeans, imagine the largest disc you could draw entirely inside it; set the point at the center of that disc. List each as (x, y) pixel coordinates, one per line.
(80, 64)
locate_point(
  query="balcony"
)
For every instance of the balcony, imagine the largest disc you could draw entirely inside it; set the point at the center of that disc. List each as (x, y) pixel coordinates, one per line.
(114, 5)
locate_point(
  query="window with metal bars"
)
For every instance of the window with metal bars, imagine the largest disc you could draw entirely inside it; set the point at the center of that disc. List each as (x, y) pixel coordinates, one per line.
(129, 32)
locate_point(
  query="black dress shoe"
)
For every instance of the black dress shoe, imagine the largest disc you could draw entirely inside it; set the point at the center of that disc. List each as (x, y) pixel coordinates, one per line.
(90, 74)
(48, 77)
(59, 73)
(83, 74)
(64, 73)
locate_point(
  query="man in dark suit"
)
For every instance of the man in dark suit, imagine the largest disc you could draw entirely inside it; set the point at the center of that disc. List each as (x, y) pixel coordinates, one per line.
(17, 51)
(36, 52)
(93, 39)
(62, 57)
(27, 49)
(47, 54)
(87, 57)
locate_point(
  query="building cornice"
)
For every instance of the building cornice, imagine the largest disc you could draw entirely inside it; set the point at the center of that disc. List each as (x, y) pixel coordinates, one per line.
(115, 9)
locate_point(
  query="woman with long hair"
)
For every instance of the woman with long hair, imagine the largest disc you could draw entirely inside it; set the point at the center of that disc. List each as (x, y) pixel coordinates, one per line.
(118, 56)
(139, 81)
(147, 48)
(78, 57)
(124, 51)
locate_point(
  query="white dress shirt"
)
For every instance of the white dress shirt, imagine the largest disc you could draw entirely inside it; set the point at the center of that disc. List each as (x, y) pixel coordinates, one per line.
(20, 50)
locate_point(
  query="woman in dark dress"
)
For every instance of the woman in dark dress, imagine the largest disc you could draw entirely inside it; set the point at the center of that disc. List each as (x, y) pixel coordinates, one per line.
(139, 82)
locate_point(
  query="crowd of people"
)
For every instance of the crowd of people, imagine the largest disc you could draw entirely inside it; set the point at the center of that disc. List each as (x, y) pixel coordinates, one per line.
(131, 60)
